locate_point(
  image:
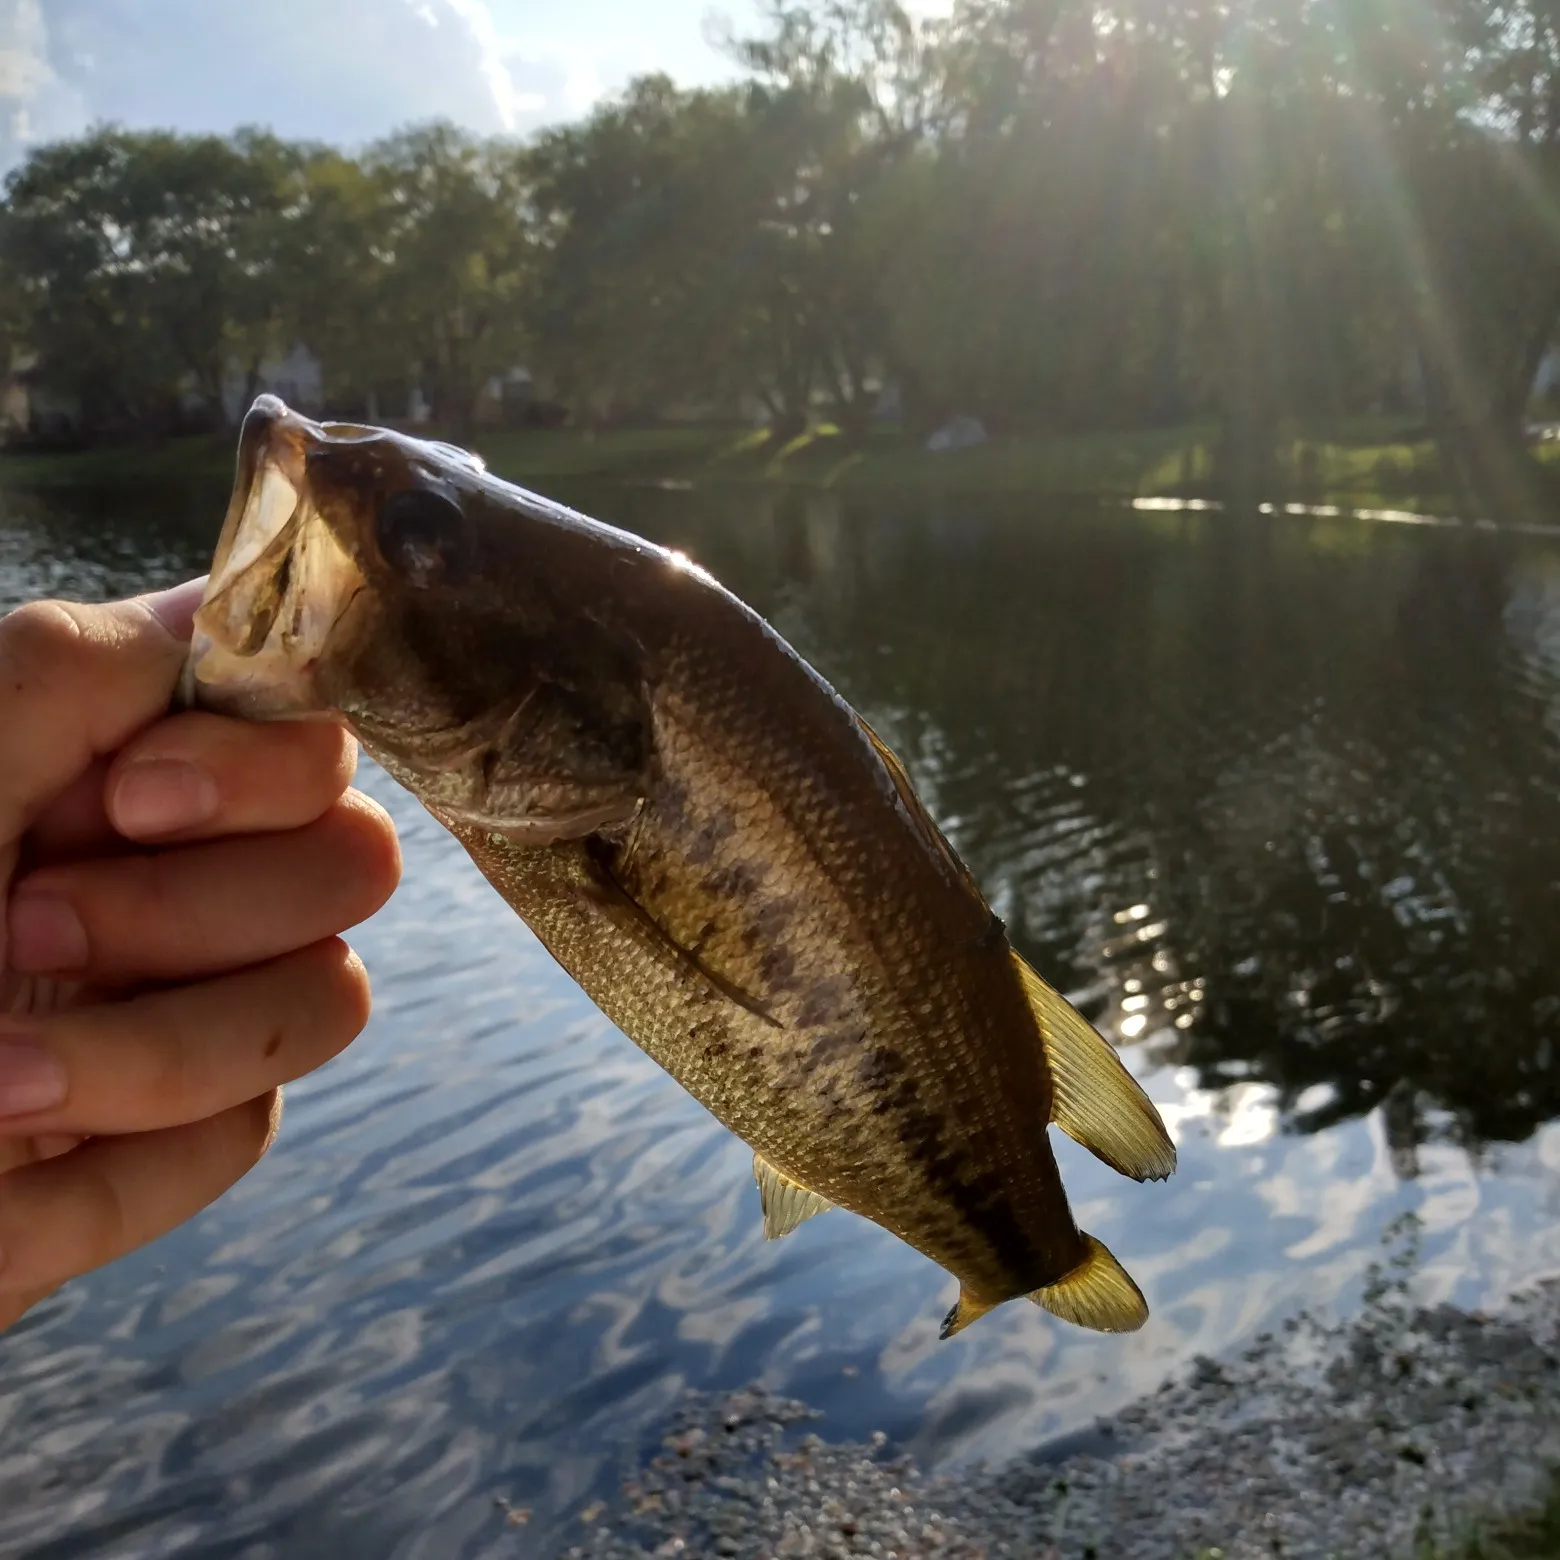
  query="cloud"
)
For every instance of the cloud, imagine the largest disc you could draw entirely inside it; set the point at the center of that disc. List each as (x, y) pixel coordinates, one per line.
(35, 104)
(344, 71)
(511, 102)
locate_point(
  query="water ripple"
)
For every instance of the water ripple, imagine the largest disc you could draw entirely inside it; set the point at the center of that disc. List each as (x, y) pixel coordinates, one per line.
(1276, 800)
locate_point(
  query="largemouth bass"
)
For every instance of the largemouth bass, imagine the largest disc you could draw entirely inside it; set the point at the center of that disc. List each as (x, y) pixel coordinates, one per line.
(699, 829)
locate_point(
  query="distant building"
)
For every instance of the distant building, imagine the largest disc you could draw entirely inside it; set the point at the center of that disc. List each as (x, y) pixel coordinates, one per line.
(505, 396)
(298, 378)
(28, 411)
(1546, 382)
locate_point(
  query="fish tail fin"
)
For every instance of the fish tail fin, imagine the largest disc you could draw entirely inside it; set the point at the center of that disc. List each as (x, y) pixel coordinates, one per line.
(968, 1309)
(1097, 1293)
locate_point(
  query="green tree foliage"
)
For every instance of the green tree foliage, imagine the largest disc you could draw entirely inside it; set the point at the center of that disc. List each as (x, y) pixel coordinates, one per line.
(456, 262)
(1055, 214)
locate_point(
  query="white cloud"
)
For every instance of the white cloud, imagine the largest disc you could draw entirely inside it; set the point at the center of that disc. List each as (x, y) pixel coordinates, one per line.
(511, 102)
(344, 71)
(34, 103)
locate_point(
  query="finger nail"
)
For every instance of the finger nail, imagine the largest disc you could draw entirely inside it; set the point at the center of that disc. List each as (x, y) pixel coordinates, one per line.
(162, 796)
(45, 935)
(31, 1079)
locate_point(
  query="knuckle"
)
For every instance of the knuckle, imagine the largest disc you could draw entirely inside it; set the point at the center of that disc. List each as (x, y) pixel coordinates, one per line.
(154, 898)
(348, 1002)
(100, 1219)
(36, 641)
(326, 755)
(157, 1060)
(357, 994)
(362, 830)
(328, 1006)
(267, 1120)
(248, 1131)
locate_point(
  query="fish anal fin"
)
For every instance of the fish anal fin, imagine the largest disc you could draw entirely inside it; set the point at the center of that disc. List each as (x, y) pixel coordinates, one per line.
(1096, 1101)
(786, 1202)
(1098, 1293)
(967, 1308)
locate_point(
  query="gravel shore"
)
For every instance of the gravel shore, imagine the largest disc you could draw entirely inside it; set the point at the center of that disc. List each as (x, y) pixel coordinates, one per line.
(1324, 1442)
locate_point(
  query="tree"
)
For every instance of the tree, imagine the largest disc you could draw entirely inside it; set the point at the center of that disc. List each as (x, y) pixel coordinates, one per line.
(458, 260)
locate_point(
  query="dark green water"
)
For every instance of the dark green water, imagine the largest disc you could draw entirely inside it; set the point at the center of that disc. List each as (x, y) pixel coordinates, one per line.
(1276, 798)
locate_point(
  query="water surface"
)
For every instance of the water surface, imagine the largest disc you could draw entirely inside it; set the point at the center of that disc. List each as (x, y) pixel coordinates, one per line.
(1275, 798)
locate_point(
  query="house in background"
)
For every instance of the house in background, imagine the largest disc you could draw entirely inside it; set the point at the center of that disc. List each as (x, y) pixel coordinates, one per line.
(30, 412)
(298, 378)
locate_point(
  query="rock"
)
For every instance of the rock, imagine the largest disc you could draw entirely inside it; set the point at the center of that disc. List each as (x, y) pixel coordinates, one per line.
(1334, 1443)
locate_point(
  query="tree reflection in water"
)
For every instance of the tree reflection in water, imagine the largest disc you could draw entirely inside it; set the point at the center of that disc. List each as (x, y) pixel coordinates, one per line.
(1279, 796)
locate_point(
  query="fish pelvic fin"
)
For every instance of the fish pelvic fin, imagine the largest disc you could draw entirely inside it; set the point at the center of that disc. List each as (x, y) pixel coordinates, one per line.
(1098, 1293)
(967, 1309)
(786, 1203)
(1095, 1100)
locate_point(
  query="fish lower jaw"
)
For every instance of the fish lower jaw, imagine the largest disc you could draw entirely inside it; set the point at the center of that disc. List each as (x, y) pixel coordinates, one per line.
(268, 685)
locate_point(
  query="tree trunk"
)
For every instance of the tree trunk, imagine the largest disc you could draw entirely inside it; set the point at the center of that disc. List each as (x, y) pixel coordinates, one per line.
(251, 384)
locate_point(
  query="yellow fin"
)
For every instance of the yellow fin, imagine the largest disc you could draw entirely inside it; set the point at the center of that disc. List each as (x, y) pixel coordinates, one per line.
(936, 841)
(1097, 1102)
(786, 1203)
(967, 1310)
(1097, 1293)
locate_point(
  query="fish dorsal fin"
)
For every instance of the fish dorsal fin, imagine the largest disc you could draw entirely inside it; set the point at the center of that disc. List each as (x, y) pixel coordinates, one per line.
(1097, 1293)
(933, 836)
(966, 1309)
(1096, 1102)
(786, 1203)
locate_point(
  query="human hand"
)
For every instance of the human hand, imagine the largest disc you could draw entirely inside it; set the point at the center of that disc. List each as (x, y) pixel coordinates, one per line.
(169, 958)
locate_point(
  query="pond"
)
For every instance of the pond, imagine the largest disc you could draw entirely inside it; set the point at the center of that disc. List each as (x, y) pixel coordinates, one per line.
(1275, 798)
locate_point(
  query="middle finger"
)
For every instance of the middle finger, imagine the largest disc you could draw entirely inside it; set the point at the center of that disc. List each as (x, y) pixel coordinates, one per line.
(198, 909)
(171, 1057)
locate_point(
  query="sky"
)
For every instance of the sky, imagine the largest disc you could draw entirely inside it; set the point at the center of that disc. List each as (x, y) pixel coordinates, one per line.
(343, 71)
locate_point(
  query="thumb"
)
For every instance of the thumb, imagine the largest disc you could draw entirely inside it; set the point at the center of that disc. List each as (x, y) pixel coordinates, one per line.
(75, 683)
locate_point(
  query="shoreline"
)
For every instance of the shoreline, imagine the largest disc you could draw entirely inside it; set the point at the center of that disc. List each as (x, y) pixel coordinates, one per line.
(1363, 466)
(1404, 1431)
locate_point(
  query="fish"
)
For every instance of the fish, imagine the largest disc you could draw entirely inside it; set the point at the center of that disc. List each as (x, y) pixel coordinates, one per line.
(700, 830)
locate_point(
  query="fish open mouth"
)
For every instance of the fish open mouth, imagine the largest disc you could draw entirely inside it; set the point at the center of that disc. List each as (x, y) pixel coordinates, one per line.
(279, 582)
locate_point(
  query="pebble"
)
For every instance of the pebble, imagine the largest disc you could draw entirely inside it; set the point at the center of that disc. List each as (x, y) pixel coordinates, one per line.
(1327, 1442)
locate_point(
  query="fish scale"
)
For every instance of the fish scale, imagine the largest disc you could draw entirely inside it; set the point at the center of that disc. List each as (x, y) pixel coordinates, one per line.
(702, 833)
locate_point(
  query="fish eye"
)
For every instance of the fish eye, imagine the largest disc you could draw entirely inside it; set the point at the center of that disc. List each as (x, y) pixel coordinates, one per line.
(422, 536)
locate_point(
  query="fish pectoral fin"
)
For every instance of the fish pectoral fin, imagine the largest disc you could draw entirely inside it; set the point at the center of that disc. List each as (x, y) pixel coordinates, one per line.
(966, 1309)
(1096, 1101)
(535, 831)
(1098, 1293)
(609, 896)
(786, 1203)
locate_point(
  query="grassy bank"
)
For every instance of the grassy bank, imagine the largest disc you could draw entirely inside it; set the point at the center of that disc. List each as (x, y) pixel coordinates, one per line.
(1365, 463)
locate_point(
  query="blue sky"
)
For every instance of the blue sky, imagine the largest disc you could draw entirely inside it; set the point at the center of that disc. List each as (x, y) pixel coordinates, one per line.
(338, 70)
